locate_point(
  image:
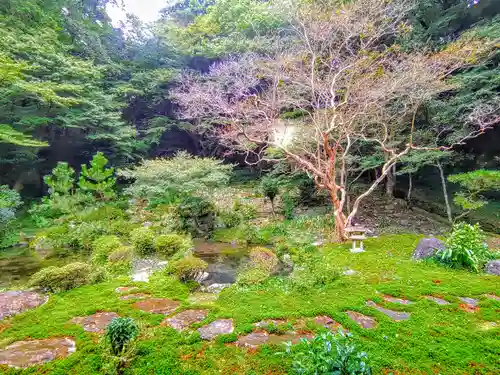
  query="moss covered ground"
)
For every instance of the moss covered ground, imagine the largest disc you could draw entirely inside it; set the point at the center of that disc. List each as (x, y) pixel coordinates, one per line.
(435, 340)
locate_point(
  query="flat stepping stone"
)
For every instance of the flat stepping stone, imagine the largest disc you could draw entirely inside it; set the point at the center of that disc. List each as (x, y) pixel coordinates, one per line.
(292, 337)
(96, 322)
(437, 300)
(157, 305)
(253, 340)
(125, 289)
(202, 298)
(269, 322)
(401, 301)
(184, 319)
(135, 296)
(329, 323)
(469, 301)
(17, 301)
(23, 354)
(394, 315)
(363, 321)
(492, 296)
(217, 327)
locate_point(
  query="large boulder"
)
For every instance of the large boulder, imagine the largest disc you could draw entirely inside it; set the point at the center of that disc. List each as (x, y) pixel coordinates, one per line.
(427, 247)
(493, 267)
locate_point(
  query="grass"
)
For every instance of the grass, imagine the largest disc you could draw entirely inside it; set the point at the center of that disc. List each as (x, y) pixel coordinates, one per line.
(436, 340)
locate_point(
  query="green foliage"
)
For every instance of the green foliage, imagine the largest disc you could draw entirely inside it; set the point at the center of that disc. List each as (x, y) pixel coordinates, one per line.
(465, 248)
(230, 218)
(245, 210)
(183, 174)
(328, 354)
(98, 179)
(103, 247)
(169, 244)
(62, 179)
(288, 206)
(120, 261)
(475, 183)
(314, 273)
(10, 201)
(187, 268)
(58, 279)
(143, 241)
(264, 258)
(120, 332)
(12, 136)
(270, 187)
(252, 276)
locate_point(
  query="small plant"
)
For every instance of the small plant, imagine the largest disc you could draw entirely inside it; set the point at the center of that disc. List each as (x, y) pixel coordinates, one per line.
(252, 276)
(57, 279)
(62, 179)
(97, 179)
(187, 268)
(270, 189)
(288, 205)
(264, 258)
(465, 248)
(102, 247)
(120, 332)
(169, 244)
(120, 261)
(10, 200)
(314, 273)
(328, 354)
(246, 211)
(230, 219)
(143, 241)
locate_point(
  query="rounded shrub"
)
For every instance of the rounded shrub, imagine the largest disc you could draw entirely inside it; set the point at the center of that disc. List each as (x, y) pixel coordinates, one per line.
(187, 268)
(252, 276)
(120, 261)
(120, 332)
(264, 259)
(57, 279)
(230, 219)
(102, 247)
(143, 241)
(169, 244)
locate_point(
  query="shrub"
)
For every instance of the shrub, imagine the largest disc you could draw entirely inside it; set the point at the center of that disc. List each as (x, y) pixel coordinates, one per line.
(328, 354)
(120, 332)
(143, 241)
(102, 247)
(97, 179)
(465, 248)
(264, 258)
(62, 179)
(230, 219)
(187, 268)
(120, 261)
(288, 206)
(57, 279)
(270, 189)
(246, 211)
(252, 276)
(169, 244)
(316, 272)
(10, 200)
(103, 213)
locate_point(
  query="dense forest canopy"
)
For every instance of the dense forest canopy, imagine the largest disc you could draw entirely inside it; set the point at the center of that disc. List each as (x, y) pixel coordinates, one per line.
(72, 84)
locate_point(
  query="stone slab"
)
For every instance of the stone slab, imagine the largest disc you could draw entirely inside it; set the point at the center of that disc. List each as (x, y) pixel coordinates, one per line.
(17, 301)
(96, 322)
(163, 306)
(184, 319)
(217, 327)
(437, 300)
(394, 315)
(363, 321)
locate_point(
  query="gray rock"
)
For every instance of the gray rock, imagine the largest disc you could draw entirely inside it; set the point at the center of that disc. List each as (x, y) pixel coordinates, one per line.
(215, 288)
(493, 267)
(427, 247)
(218, 327)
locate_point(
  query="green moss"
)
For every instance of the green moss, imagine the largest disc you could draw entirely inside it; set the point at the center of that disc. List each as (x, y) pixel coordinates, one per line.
(436, 339)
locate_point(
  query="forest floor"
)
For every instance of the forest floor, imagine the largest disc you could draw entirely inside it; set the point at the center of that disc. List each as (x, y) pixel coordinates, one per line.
(457, 337)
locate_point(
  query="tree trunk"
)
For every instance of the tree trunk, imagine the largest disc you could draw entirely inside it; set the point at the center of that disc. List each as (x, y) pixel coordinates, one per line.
(445, 192)
(390, 181)
(339, 232)
(410, 187)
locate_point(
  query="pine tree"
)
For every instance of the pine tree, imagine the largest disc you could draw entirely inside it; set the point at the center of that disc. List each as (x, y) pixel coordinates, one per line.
(62, 179)
(98, 179)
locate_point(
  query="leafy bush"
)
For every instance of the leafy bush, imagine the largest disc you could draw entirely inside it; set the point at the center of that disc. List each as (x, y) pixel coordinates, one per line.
(264, 258)
(288, 206)
(120, 261)
(102, 247)
(328, 354)
(187, 268)
(57, 279)
(252, 276)
(143, 241)
(169, 244)
(102, 213)
(183, 174)
(270, 187)
(230, 219)
(475, 183)
(10, 200)
(120, 332)
(245, 210)
(465, 248)
(317, 271)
